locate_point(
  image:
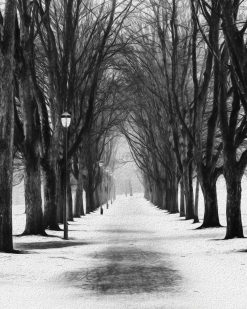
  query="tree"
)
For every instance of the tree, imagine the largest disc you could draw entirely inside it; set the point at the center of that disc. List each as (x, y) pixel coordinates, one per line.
(6, 123)
(71, 73)
(206, 110)
(233, 111)
(31, 125)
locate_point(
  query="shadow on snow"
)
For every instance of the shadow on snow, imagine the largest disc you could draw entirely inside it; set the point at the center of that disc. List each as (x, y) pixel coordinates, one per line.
(126, 271)
(22, 246)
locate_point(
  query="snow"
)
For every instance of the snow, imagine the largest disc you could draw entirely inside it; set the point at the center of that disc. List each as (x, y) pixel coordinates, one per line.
(134, 256)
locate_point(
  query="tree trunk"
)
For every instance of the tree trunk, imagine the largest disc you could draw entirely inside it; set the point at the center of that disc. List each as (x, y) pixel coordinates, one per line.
(50, 205)
(146, 190)
(90, 206)
(82, 204)
(196, 218)
(7, 127)
(182, 210)
(79, 211)
(153, 194)
(211, 216)
(69, 199)
(188, 189)
(60, 194)
(33, 201)
(164, 199)
(174, 196)
(233, 206)
(168, 196)
(158, 195)
(97, 197)
(89, 201)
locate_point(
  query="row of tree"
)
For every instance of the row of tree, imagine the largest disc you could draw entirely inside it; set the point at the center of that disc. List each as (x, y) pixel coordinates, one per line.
(185, 76)
(169, 75)
(57, 56)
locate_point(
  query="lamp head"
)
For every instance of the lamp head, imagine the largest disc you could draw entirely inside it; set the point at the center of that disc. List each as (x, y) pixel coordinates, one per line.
(66, 119)
(101, 163)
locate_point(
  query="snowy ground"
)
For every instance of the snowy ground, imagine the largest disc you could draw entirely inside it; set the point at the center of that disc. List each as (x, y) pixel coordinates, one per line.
(134, 256)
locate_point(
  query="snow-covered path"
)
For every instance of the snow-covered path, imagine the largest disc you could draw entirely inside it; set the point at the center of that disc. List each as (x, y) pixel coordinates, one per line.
(134, 256)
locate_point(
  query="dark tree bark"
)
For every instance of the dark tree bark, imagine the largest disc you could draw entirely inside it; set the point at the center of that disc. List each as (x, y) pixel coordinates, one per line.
(33, 201)
(182, 209)
(163, 197)
(79, 210)
(174, 195)
(69, 199)
(97, 197)
(211, 216)
(196, 218)
(31, 126)
(234, 57)
(89, 200)
(233, 204)
(232, 138)
(206, 163)
(50, 206)
(188, 189)
(6, 126)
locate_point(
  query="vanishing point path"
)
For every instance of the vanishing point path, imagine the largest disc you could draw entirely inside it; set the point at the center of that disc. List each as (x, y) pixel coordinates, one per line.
(134, 256)
(130, 262)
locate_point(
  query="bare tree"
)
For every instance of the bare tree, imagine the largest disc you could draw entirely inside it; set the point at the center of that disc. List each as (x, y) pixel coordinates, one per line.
(6, 123)
(31, 125)
(233, 110)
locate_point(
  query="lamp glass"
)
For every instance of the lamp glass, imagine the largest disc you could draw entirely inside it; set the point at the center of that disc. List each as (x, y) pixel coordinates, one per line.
(66, 119)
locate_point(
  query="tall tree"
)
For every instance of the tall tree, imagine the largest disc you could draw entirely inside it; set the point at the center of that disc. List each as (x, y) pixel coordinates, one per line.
(206, 107)
(233, 110)
(31, 125)
(6, 123)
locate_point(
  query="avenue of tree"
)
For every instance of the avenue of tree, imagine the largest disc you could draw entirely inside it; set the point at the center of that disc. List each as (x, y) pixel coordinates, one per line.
(169, 75)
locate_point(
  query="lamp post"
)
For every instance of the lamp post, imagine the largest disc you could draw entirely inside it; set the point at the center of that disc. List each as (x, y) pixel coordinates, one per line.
(107, 193)
(114, 187)
(110, 184)
(65, 119)
(101, 164)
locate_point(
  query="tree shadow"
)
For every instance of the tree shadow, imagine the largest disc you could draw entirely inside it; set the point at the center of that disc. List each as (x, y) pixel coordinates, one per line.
(16, 251)
(126, 271)
(203, 227)
(225, 239)
(241, 251)
(38, 235)
(43, 245)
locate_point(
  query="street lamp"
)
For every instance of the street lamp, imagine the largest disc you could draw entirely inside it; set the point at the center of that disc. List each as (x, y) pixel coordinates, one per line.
(65, 119)
(108, 173)
(101, 164)
(111, 186)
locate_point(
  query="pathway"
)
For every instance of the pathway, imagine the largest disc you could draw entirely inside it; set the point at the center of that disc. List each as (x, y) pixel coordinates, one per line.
(135, 256)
